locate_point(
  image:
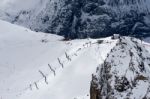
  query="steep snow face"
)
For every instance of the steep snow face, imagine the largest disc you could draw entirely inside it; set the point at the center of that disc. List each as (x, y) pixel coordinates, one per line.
(124, 73)
(80, 18)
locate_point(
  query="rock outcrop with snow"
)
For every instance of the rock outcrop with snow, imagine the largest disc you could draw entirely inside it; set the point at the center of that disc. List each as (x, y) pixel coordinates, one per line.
(124, 74)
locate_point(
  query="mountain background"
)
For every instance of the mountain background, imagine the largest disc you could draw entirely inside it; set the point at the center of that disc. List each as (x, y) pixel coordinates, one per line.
(81, 18)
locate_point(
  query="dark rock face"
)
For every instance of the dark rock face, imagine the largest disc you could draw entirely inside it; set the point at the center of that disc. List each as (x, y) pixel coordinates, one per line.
(124, 72)
(92, 18)
(80, 19)
(100, 18)
(94, 91)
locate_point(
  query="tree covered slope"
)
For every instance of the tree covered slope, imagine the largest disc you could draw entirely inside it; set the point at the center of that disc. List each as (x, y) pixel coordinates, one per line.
(81, 18)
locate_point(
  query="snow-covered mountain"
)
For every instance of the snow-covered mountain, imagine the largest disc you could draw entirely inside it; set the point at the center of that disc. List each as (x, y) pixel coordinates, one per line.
(42, 66)
(80, 18)
(35, 65)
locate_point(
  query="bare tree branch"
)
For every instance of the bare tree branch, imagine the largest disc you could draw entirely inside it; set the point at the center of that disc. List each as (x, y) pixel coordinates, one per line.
(30, 86)
(67, 56)
(43, 76)
(52, 69)
(36, 85)
(60, 63)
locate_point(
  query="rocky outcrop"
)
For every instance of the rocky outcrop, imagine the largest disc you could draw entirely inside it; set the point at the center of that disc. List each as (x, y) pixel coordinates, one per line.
(124, 74)
(94, 91)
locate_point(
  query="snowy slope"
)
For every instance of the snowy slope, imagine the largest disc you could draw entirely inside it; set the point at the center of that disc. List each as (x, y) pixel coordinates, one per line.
(27, 13)
(37, 65)
(22, 52)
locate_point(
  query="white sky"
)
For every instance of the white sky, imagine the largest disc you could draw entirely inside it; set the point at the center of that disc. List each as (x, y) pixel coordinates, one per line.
(18, 4)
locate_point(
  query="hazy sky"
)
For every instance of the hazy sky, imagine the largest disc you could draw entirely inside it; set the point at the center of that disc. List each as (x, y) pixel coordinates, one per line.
(18, 4)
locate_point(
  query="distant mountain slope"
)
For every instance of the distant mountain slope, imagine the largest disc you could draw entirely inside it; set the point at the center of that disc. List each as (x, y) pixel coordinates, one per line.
(80, 18)
(124, 73)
